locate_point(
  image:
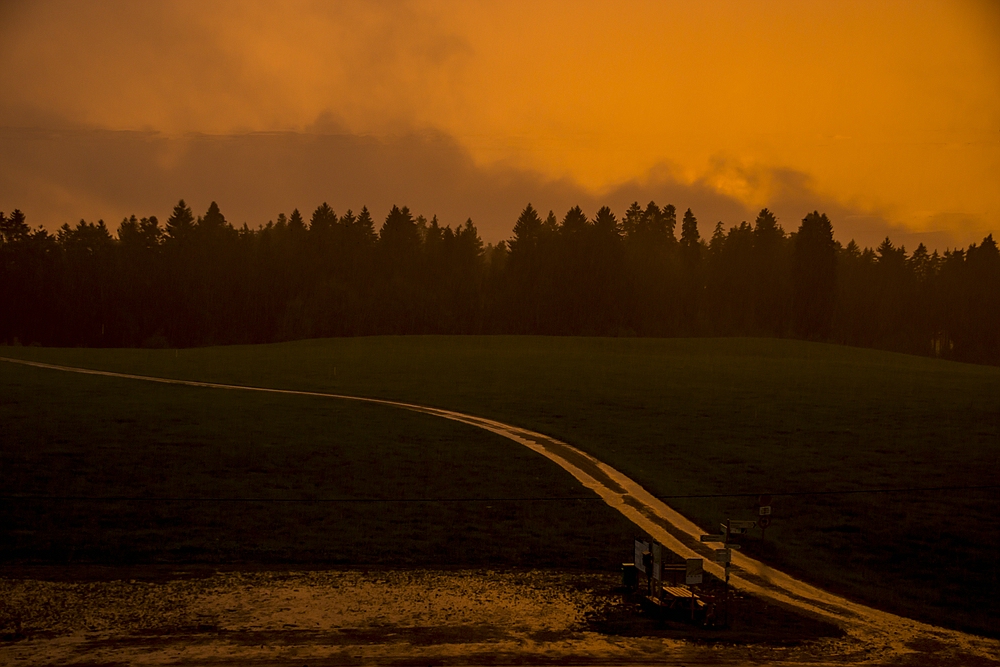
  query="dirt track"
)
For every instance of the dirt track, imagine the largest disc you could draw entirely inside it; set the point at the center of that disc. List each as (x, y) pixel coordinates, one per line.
(875, 637)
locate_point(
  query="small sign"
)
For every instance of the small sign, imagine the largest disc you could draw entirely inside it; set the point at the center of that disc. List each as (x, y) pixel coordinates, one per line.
(641, 549)
(695, 571)
(712, 538)
(735, 547)
(741, 526)
(765, 510)
(722, 556)
(764, 522)
(657, 561)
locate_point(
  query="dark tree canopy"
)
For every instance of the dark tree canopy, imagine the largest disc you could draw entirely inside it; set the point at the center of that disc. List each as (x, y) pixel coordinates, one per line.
(200, 281)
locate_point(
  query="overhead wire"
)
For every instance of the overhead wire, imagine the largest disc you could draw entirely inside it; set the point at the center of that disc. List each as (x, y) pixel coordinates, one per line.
(480, 499)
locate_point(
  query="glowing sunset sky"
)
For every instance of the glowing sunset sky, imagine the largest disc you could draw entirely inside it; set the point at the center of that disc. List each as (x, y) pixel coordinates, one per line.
(886, 115)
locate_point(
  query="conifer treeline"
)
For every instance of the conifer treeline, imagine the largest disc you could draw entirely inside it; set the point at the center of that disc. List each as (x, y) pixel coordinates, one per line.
(200, 281)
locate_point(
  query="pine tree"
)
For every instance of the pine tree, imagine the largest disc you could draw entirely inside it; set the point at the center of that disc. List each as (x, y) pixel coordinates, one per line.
(527, 230)
(574, 222)
(296, 224)
(180, 224)
(606, 224)
(632, 221)
(690, 238)
(814, 274)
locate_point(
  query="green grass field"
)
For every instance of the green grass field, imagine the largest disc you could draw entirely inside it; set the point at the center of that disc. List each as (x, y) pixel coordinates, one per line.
(74, 436)
(683, 417)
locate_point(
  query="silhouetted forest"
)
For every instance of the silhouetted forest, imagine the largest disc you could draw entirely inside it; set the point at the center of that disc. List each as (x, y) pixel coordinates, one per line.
(200, 281)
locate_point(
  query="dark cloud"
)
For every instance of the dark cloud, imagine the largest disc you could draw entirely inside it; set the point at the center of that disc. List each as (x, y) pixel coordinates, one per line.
(59, 176)
(793, 197)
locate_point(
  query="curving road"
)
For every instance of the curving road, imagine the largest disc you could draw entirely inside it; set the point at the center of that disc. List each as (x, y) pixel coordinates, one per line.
(884, 635)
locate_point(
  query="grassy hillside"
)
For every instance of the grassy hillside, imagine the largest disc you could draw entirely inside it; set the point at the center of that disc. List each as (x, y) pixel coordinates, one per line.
(153, 453)
(684, 417)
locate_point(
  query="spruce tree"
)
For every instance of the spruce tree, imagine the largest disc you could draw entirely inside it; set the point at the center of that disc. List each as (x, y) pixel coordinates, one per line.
(814, 276)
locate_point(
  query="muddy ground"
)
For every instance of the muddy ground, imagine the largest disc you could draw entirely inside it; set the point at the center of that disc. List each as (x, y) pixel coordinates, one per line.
(418, 617)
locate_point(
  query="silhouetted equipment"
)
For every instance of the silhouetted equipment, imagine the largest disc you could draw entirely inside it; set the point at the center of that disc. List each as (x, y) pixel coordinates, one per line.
(630, 576)
(671, 588)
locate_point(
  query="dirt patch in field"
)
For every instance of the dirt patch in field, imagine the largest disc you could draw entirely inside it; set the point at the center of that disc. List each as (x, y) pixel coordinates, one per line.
(191, 617)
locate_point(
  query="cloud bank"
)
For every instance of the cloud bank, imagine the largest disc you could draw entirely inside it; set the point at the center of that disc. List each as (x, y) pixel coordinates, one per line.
(59, 176)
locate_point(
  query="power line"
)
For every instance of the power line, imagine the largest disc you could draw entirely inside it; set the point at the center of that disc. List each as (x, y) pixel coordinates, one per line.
(913, 489)
(169, 499)
(923, 489)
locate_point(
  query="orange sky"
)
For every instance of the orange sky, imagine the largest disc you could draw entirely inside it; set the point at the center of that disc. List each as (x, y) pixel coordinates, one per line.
(885, 114)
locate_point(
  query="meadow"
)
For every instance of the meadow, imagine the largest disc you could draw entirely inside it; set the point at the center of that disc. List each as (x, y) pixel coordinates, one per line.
(708, 423)
(140, 474)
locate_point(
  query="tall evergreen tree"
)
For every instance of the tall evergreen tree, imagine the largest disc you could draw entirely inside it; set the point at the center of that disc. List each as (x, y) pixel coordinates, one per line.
(982, 342)
(364, 227)
(632, 221)
(574, 222)
(529, 280)
(213, 219)
(15, 228)
(606, 224)
(323, 219)
(399, 232)
(814, 274)
(401, 295)
(527, 230)
(690, 238)
(691, 269)
(669, 216)
(295, 223)
(140, 281)
(770, 280)
(180, 224)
